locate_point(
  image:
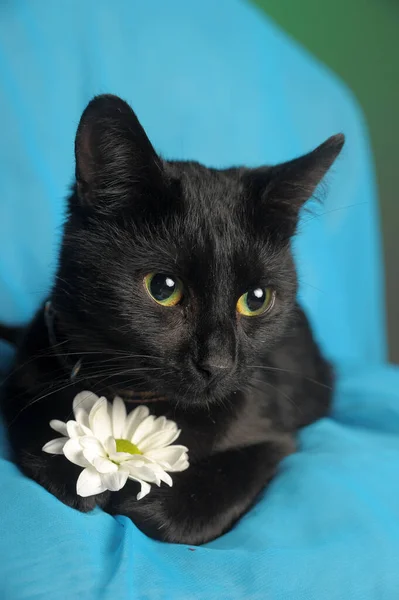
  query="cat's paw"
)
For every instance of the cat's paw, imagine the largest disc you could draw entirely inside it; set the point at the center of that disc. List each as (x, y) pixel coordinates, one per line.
(58, 476)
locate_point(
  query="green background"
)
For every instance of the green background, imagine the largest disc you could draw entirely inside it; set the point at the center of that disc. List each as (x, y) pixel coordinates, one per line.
(359, 40)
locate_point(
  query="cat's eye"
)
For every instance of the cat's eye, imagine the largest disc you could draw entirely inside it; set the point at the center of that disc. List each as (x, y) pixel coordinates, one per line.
(256, 301)
(165, 289)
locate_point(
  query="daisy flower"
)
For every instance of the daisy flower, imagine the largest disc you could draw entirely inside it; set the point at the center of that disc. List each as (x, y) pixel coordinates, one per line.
(113, 446)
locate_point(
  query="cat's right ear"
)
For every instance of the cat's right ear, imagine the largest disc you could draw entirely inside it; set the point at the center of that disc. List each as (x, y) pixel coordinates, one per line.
(116, 164)
(277, 193)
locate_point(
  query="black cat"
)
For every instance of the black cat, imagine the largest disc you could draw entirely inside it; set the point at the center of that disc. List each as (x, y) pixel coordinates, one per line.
(178, 281)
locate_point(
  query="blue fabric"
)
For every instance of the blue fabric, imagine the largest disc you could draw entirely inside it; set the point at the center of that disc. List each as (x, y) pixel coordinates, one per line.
(217, 82)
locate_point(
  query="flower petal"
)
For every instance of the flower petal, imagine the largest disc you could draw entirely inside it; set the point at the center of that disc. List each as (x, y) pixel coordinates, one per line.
(110, 445)
(145, 428)
(163, 422)
(163, 476)
(136, 470)
(118, 417)
(90, 456)
(82, 405)
(103, 465)
(59, 426)
(166, 478)
(55, 446)
(92, 446)
(158, 439)
(134, 419)
(151, 473)
(89, 483)
(145, 489)
(99, 420)
(121, 457)
(85, 430)
(169, 458)
(115, 481)
(74, 429)
(181, 465)
(74, 453)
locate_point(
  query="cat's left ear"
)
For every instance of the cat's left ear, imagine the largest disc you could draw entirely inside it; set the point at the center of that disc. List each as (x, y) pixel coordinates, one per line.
(116, 164)
(279, 192)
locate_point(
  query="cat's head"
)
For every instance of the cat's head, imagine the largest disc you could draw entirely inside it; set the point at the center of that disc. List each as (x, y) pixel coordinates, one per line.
(181, 277)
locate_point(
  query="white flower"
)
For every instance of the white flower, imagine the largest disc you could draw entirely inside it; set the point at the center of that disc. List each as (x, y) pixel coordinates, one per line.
(114, 447)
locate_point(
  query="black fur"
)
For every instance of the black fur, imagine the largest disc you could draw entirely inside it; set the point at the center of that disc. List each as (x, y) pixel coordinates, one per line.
(10, 334)
(238, 387)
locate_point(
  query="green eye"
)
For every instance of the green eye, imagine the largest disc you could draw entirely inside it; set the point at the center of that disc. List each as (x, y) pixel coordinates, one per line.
(166, 290)
(256, 302)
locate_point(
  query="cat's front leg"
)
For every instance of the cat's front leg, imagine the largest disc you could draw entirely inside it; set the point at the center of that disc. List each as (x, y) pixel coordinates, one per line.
(58, 476)
(28, 431)
(206, 500)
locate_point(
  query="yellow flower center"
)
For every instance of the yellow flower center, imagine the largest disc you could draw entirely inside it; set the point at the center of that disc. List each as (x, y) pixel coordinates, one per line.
(126, 446)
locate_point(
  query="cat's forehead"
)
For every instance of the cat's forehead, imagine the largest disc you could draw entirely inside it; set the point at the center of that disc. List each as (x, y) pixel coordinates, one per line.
(203, 188)
(212, 231)
(209, 205)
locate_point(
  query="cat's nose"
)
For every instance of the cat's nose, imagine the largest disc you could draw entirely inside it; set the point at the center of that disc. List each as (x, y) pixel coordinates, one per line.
(215, 369)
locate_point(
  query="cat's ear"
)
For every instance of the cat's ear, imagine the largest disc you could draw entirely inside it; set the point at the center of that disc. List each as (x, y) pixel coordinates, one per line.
(115, 161)
(279, 192)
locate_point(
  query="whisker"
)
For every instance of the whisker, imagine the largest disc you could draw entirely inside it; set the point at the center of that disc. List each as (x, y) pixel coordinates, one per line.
(118, 354)
(292, 372)
(134, 379)
(50, 352)
(63, 387)
(332, 210)
(126, 371)
(38, 399)
(279, 391)
(27, 362)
